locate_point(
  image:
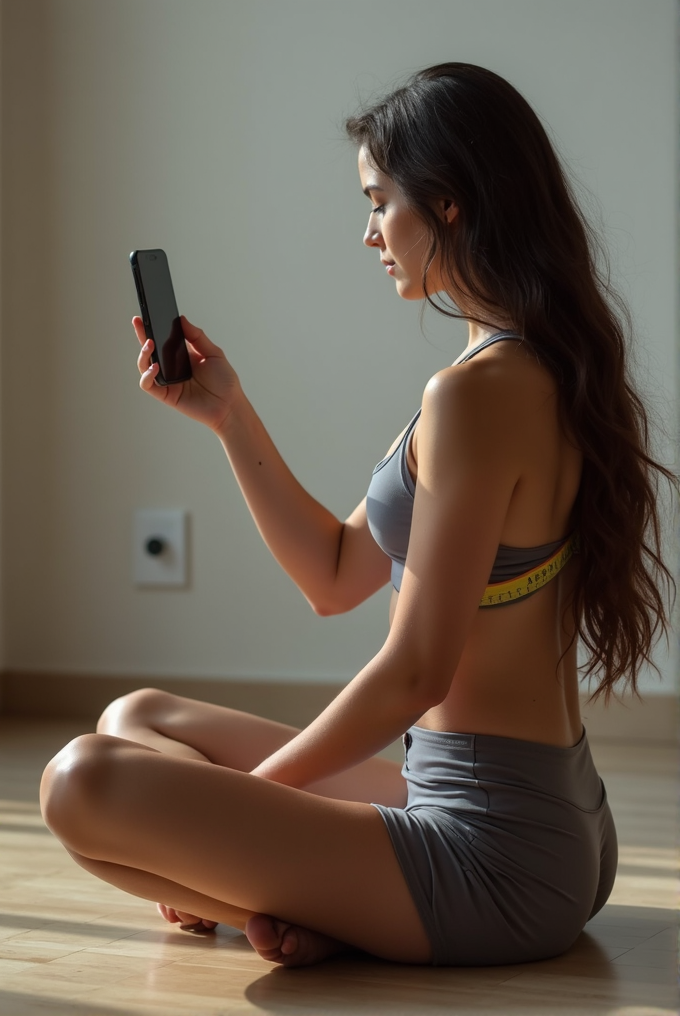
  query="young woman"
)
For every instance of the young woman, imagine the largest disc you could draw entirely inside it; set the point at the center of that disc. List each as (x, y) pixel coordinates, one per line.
(514, 515)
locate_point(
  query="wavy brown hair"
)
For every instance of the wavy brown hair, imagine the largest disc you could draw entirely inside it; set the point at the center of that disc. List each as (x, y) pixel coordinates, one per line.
(522, 250)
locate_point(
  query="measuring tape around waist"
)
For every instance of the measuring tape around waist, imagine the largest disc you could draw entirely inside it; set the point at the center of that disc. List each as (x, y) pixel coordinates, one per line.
(498, 593)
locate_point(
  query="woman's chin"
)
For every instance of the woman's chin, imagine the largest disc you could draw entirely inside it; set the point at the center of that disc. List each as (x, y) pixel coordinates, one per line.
(408, 291)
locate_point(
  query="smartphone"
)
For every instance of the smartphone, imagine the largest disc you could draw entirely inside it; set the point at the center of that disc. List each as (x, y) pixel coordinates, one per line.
(160, 315)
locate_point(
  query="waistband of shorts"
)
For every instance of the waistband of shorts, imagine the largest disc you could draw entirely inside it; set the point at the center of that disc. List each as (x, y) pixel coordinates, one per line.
(456, 743)
(443, 764)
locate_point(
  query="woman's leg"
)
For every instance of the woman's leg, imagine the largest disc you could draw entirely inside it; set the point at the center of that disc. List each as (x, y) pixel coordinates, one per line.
(314, 862)
(147, 886)
(186, 728)
(275, 940)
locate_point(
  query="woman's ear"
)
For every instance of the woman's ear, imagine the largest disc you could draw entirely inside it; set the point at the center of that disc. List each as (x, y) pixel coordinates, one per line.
(449, 209)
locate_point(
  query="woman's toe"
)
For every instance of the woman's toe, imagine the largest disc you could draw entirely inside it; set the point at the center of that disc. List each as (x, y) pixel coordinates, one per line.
(265, 933)
(289, 941)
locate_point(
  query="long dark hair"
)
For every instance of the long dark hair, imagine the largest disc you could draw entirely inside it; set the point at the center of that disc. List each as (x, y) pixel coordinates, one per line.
(522, 251)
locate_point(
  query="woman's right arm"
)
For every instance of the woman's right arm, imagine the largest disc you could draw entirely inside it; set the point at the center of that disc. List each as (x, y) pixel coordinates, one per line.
(335, 564)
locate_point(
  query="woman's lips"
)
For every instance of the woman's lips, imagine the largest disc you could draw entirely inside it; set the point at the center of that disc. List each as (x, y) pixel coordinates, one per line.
(389, 266)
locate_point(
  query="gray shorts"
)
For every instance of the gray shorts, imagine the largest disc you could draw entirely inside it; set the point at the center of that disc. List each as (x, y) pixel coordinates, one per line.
(508, 847)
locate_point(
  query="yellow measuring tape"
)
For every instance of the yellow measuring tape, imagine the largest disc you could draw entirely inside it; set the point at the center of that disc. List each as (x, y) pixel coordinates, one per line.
(498, 593)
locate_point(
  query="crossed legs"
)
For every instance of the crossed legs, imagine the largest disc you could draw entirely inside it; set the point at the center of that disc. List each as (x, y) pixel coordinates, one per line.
(137, 805)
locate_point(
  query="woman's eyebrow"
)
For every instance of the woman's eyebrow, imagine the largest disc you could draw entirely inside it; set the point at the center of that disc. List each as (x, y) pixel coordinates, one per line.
(371, 187)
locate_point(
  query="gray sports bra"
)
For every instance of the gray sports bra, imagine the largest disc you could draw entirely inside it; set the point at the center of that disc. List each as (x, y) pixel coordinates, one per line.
(517, 571)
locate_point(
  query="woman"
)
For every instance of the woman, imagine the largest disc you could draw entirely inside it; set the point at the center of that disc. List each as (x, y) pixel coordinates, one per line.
(515, 514)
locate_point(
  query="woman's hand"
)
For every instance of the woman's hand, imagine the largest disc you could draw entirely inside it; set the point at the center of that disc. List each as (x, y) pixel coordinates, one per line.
(211, 392)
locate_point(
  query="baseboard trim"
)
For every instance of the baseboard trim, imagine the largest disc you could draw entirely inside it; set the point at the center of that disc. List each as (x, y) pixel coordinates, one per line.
(81, 696)
(67, 696)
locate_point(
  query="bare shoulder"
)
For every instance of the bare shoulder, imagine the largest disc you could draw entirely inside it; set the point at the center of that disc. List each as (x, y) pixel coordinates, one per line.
(497, 394)
(497, 372)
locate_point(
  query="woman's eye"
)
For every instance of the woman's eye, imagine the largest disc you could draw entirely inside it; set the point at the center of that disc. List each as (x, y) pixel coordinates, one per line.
(378, 210)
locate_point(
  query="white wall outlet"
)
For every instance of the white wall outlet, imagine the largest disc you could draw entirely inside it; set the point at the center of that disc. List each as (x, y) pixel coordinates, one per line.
(160, 547)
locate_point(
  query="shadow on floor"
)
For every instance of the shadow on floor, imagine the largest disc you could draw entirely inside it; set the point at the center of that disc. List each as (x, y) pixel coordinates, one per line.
(364, 985)
(17, 1004)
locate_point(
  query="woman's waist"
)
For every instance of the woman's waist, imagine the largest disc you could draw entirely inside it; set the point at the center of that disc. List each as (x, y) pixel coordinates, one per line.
(557, 727)
(517, 677)
(514, 701)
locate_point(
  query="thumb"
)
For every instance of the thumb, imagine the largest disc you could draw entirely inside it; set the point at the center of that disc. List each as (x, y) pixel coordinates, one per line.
(198, 339)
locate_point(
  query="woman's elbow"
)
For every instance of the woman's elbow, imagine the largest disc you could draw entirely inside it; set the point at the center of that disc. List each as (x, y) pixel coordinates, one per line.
(322, 609)
(428, 694)
(429, 683)
(329, 608)
(338, 598)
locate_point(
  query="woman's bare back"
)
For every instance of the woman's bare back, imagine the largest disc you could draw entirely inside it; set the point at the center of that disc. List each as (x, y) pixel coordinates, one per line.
(508, 681)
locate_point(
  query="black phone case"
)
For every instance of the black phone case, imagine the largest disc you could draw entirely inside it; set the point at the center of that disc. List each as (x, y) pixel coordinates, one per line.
(160, 315)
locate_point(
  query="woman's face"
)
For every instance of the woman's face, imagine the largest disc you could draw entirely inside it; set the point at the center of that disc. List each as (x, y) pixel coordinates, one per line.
(397, 233)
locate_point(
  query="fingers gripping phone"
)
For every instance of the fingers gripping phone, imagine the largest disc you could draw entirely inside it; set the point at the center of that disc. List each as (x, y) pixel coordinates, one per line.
(160, 315)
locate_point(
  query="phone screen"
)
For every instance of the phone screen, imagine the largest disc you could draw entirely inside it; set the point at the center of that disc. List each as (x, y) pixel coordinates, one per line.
(160, 315)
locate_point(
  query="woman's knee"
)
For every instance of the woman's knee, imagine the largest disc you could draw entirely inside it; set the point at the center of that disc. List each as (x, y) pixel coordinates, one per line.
(73, 788)
(137, 708)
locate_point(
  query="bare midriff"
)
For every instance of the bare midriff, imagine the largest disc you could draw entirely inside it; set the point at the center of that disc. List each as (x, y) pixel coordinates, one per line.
(510, 681)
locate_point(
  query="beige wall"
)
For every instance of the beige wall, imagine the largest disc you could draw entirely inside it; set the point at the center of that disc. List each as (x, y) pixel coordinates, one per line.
(212, 129)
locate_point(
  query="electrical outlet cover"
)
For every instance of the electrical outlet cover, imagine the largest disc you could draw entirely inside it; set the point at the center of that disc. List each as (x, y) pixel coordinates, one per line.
(169, 568)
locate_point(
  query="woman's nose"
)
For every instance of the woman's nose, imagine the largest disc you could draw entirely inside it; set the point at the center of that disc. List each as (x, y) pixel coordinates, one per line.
(372, 236)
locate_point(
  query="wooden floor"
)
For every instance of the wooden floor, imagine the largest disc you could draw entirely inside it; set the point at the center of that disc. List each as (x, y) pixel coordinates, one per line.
(72, 945)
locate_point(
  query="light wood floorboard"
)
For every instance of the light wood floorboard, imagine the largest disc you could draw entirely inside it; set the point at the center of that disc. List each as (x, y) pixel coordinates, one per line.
(73, 946)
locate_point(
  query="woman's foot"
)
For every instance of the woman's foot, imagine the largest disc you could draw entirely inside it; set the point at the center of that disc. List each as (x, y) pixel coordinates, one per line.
(289, 944)
(187, 922)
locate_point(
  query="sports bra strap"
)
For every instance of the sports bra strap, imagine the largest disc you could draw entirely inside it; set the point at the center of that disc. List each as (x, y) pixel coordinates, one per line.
(496, 337)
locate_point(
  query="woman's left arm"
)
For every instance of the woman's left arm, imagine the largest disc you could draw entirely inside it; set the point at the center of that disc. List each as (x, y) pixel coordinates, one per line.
(468, 465)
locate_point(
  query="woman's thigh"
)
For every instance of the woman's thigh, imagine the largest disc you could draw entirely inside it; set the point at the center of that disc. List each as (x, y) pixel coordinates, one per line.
(324, 864)
(238, 740)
